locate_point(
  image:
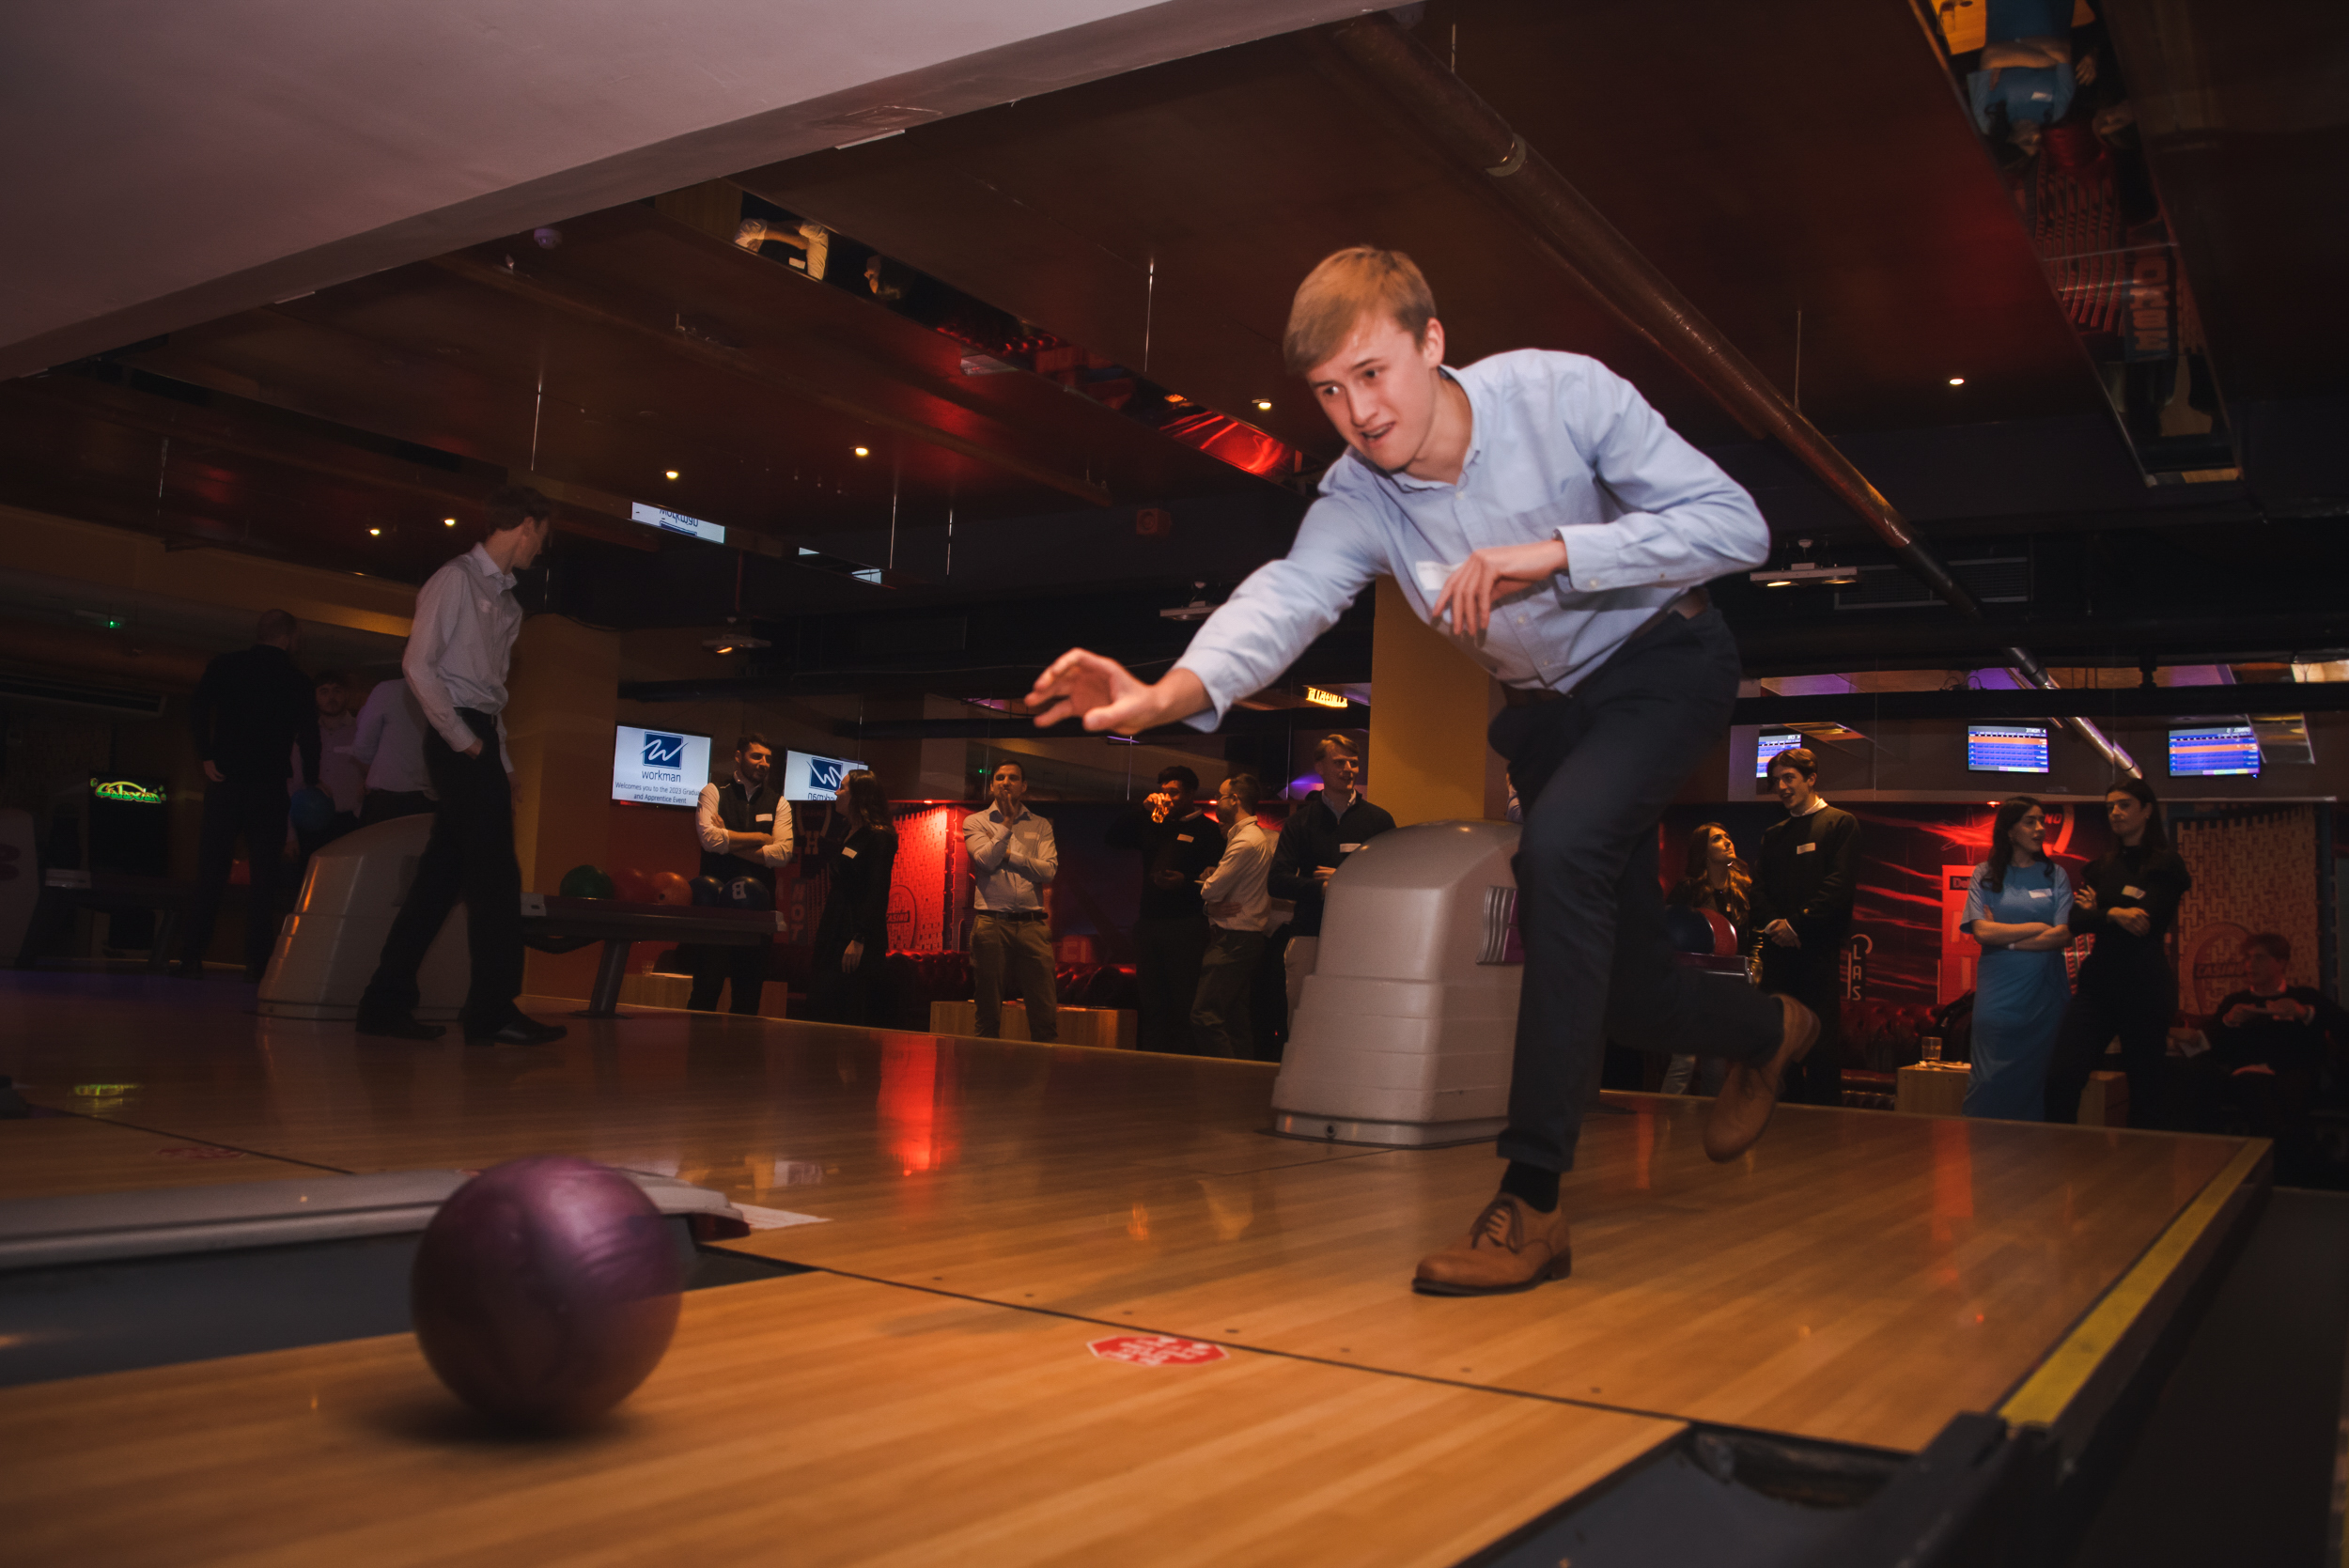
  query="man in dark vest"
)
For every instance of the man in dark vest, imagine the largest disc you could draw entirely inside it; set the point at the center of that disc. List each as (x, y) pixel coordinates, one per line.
(1802, 902)
(745, 832)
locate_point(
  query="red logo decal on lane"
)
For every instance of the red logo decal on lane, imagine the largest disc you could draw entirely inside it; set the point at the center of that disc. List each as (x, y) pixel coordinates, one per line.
(1156, 1350)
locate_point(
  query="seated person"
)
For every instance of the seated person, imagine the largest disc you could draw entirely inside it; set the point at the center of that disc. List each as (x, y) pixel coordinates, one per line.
(2267, 1046)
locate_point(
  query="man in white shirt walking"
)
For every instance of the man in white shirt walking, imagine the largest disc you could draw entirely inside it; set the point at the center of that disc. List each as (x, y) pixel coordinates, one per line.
(1537, 504)
(1013, 859)
(1238, 911)
(466, 621)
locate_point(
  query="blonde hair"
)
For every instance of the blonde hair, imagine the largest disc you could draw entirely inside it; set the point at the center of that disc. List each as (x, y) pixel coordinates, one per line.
(1346, 287)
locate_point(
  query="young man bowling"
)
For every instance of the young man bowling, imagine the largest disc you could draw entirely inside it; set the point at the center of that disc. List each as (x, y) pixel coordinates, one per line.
(1533, 506)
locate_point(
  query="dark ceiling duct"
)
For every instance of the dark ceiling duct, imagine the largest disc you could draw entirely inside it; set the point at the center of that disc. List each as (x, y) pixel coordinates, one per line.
(1582, 240)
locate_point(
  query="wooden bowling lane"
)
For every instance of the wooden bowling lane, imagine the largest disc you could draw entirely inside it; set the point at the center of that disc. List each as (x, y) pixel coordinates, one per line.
(812, 1421)
(1860, 1277)
(740, 1103)
(61, 1156)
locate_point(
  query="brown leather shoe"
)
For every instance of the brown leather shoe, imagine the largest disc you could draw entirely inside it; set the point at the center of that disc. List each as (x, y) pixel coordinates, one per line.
(1513, 1246)
(1749, 1092)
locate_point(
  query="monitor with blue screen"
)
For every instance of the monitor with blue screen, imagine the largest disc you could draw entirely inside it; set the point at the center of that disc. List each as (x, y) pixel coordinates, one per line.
(1771, 743)
(2006, 747)
(2201, 751)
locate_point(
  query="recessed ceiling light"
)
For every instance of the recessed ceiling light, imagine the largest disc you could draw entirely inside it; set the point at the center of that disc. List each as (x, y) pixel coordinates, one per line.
(863, 451)
(671, 473)
(375, 533)
(1957, 381)
(1264, 402)
(1173, 396)
(448, 522)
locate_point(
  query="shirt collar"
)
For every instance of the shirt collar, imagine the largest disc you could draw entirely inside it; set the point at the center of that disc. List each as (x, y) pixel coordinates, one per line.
(1334, 809)
(1475, 450)
(478, 559)
(1818, 803)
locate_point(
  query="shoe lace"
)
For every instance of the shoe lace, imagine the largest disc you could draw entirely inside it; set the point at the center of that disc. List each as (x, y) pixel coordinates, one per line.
(1497, 1225)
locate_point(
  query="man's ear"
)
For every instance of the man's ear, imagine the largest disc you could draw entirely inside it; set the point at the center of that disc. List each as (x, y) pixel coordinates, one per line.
(1431, 344)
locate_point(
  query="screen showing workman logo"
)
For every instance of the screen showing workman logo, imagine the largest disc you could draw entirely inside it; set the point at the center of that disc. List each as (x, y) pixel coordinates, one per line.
(659, 768)
(808, 778)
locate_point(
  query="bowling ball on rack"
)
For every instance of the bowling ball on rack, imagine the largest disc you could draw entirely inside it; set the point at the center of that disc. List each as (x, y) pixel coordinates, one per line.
(633, 886)
(708, 892)
(1686, 929)
(670, 887)
(585, 881)
(749, 893)
(312, 810)
(545, 1290)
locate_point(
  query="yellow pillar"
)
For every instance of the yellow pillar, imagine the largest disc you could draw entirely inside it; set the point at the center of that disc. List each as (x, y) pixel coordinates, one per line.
(562, 701)
(1429, 706)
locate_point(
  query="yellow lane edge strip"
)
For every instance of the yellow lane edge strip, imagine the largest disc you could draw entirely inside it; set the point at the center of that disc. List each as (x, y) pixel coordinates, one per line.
(2059, 1379)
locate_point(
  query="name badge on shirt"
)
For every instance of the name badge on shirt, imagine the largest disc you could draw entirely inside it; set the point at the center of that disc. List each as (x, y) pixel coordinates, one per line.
(1348, 849)
(1182, 838)
(848, 854)
(1804, 849)
(2043, 892)
(2132, 893)
(1432, 575)
(764, 817)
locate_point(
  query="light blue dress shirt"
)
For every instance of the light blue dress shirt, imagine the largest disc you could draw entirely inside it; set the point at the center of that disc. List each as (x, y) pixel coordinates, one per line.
(1562, 446)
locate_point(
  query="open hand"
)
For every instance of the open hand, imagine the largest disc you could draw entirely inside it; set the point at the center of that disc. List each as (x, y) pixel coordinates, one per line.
(1468, 593)
(214, 774)
(1105, 695)
(851, 956)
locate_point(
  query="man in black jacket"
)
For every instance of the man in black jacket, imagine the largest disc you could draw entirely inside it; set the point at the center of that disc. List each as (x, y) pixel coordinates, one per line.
(1802, 902)
(744, 826)
(1327, 826)
(251, 709)
(2267, 1051)
(1179, 842)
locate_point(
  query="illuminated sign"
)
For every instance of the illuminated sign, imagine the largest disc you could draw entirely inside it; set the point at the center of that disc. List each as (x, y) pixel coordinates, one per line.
(677, 522)
(1319, 698)
(124, 789)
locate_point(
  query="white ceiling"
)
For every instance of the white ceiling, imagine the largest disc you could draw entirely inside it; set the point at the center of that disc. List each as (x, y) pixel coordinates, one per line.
(165, 164)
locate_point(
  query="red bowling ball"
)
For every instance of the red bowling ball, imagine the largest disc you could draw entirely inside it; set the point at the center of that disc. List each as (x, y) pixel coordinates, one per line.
(545, 1290)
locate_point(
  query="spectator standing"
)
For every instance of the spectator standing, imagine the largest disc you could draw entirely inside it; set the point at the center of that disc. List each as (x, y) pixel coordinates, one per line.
(852, 934)
(1238, 910)
(1014, 858)
(251, 709)
(2125, 986)
(745, 833)
(343, 777)
(1712, 878)
(466, 619)
(1809, 870)
(1179, 843)
(388, 739)
(1327, 826)
(2027, 74)
(2267, 1050)
(2017, 911)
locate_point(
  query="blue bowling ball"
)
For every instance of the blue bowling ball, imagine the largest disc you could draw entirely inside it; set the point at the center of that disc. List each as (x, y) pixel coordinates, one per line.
(708, 892)
(749, 893)
(313, 812)
(1686, 929)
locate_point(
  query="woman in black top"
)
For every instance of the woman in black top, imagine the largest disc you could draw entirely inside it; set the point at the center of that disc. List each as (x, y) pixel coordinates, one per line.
(852, 938)
(2128, 901)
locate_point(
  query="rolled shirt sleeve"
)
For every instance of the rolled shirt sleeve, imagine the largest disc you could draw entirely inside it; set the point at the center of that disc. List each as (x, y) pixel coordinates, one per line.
(779, 848)
(1690, 523)
(706, 826)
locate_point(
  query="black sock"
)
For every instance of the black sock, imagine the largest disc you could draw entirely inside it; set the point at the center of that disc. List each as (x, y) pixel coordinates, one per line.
(1536, 1187)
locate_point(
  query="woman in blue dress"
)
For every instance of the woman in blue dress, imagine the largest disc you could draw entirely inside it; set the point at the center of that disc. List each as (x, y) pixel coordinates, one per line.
(2016, 911)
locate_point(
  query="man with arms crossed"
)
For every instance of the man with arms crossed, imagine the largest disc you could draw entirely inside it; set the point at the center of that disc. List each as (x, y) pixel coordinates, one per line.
(744, 828)
(1013, 859)
(1327, 826)
(1539, 504)
(466, 622)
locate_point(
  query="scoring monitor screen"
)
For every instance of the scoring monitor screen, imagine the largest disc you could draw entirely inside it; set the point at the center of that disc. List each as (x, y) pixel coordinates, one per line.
(1771, 743)
(814, 778)
(659, 768)
(2201, 750)
(2006, 747)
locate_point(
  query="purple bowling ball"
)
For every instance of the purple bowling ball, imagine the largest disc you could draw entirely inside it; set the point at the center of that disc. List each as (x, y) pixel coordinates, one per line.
(545, 1290)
